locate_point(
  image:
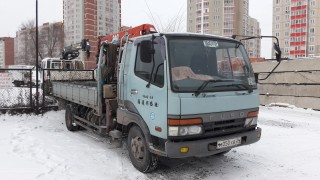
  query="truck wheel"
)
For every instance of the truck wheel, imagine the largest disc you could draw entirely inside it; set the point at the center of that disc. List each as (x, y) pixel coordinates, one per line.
(71, 126)
(139, 153)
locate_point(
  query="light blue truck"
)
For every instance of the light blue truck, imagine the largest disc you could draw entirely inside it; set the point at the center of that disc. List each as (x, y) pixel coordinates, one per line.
(175, 95)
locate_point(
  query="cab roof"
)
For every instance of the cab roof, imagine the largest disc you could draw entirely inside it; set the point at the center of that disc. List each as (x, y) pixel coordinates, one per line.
(190, 35)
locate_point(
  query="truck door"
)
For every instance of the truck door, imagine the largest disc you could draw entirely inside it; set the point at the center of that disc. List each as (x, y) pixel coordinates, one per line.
(150, 102)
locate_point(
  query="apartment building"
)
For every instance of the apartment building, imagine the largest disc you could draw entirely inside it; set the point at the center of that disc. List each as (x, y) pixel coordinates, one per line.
(88, 19)
(296, 23)
(224, 18)
(6, 51)
(254, 45)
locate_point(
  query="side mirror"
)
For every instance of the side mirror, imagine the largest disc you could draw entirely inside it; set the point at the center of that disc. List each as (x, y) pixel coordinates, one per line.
(146, 51)
(277, 51)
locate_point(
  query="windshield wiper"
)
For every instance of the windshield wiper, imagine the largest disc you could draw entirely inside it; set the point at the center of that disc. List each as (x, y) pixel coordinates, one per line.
(205, 83)
(247, 87)
(239, 85)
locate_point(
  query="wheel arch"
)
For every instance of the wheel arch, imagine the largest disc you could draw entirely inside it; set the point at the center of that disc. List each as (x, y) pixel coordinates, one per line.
(130, 119)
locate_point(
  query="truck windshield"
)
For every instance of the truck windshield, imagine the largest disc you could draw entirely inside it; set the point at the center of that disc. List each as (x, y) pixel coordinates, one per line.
(209, 65)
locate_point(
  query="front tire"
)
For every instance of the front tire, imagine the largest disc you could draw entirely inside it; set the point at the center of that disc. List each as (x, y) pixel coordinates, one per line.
(71, 126)
(139, 153)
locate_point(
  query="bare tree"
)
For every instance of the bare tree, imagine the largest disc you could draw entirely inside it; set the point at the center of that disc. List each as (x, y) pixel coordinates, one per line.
(50, 41)
(174, 24)
(26, 51)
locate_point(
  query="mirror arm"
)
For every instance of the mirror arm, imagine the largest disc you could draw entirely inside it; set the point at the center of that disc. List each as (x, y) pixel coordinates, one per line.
(271, 72)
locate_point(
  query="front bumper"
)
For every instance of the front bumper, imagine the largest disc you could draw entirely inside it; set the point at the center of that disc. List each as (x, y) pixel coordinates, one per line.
(207, 147)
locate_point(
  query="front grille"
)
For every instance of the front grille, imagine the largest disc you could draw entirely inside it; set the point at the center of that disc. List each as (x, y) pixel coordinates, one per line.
(223, 127)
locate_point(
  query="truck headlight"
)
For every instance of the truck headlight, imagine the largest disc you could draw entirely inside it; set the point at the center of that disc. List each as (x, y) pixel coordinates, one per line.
(185, 130)
(252, 121)
(184, 127)
(173, 131)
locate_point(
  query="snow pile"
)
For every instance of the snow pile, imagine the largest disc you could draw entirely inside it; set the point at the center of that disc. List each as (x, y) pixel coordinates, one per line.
(40, 147)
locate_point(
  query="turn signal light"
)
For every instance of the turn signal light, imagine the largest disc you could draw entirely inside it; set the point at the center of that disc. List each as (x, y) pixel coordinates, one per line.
(253, 114)
(183, 122)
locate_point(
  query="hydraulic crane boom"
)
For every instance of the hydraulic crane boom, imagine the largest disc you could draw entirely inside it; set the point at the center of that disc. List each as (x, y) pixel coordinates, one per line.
(133, 32)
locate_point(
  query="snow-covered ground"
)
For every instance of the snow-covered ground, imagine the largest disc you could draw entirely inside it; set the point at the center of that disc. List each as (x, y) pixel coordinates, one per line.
(40, 147)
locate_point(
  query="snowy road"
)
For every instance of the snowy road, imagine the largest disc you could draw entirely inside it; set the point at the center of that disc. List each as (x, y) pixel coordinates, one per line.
(40, 147)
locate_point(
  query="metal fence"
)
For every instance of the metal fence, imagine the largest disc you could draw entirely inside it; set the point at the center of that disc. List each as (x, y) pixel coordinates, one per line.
(18, 87)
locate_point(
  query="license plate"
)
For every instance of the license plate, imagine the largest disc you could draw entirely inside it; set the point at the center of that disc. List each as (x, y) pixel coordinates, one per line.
(228, 143)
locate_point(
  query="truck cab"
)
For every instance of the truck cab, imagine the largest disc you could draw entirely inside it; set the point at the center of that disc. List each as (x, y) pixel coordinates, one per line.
(174, 95)
(190, 95)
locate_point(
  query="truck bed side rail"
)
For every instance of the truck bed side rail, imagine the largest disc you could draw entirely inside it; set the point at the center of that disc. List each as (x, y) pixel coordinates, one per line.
(67, 75)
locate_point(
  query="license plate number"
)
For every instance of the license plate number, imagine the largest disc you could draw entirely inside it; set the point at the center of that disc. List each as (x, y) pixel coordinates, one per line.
(228, 143)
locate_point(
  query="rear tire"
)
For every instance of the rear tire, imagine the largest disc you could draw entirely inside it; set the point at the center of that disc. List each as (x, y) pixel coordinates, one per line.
(71, 126)
(139, 153)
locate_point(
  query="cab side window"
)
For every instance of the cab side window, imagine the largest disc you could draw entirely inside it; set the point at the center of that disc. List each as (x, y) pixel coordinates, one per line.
(144, 70)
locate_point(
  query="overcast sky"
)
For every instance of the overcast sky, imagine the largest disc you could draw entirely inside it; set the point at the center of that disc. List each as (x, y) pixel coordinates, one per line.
(134, 12)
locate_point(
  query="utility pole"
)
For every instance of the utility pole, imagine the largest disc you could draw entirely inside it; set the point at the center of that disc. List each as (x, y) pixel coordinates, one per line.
(37, 58)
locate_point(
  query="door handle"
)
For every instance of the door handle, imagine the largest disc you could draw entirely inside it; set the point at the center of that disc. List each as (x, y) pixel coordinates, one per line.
(134, 91)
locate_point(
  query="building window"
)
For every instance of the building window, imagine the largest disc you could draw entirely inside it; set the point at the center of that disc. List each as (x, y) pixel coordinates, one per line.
(312, 30)
(287, 16)
(311, 39)
(287, 25)
(286, 42)
(227, 31)
(277, 26)
(228, 1)
(313, 3)
(287, 9)
(286, 50)
(277, 18)
(286, 33)
(312, 12)
(312, 21)
(311, 48)
(277, 1)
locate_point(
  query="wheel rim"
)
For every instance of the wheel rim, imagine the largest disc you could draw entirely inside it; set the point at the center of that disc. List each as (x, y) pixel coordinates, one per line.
(137, 148)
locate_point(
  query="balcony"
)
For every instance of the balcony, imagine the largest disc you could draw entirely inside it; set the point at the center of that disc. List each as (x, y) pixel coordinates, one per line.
(300, 43)
(302, 16)
(299, 25)
(298, 34)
